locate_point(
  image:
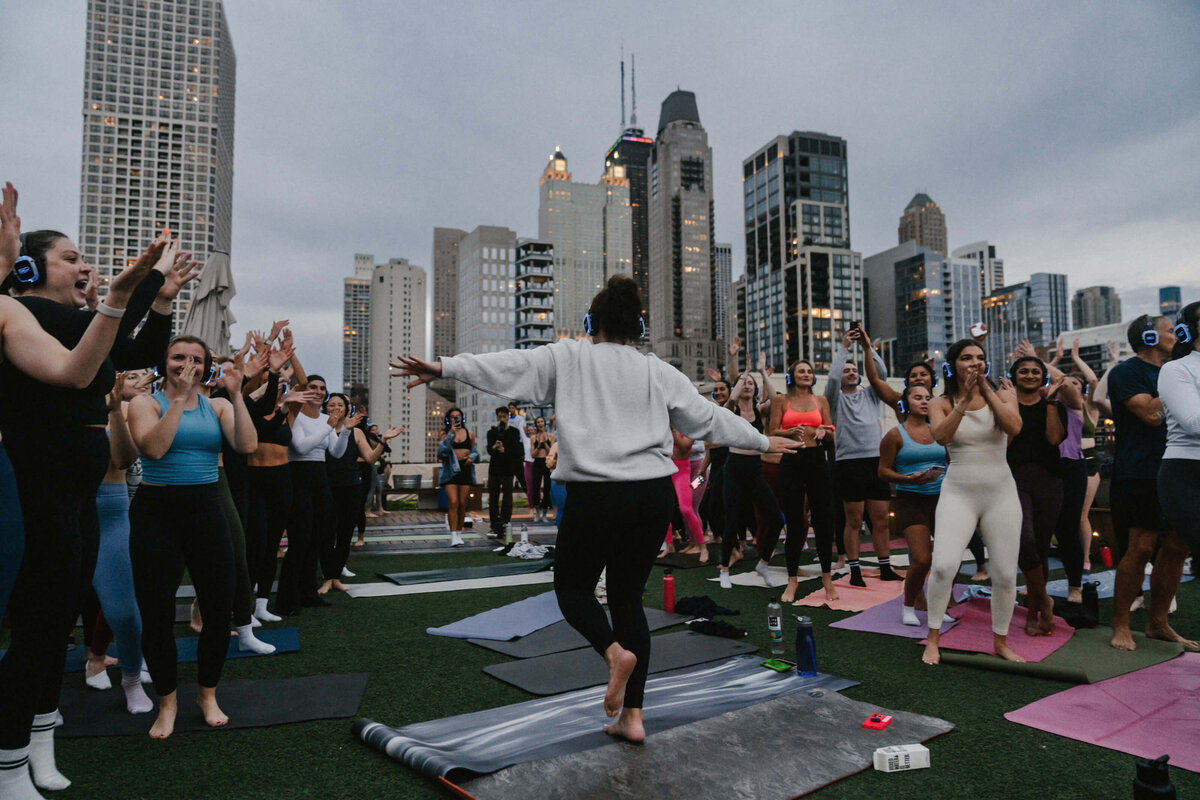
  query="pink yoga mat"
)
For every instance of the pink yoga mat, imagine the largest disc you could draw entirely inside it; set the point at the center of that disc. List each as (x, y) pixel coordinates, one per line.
(973, 633)
(894, 544)
(855, 598)
(1145, 713)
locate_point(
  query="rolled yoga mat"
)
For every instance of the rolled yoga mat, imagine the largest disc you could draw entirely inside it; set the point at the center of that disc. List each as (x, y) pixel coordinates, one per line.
(510, 566)
(781, 748)
(485, 741)
(561, 637)
(249, 704)
(576, 669)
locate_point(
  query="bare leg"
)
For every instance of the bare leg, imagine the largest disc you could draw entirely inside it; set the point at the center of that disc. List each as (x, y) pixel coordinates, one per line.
(1164, 581)
(877, 512)
(920, 557)
(197, 622)
(206, 698)
(1085, 524)
(932, 655)
(164, 726)
(1039, 604)
(620, 666)
(628, 726)
(853, 529)
(831, 593)
(1000, 643)
(1130, 573)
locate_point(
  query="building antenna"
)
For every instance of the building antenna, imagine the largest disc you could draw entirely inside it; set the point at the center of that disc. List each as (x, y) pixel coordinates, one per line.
(633, 88)
(622, 86)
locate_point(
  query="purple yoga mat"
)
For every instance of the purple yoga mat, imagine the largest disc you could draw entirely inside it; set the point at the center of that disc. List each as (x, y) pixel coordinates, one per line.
(1145, 713)
(973, 634)
(885, 618)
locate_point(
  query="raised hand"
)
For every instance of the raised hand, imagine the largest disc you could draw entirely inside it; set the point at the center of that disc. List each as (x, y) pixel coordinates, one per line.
(113, 401)
(10, 230)
(122, 286)
(90, 297)
(1058, 352)
(357, 417)
(169, 253)
(968, 382)
(1007, 391)
(189, 378)
(142, 381)
(286, 342)
(712, 374)
(1113, 352)
(392, 433)
(849, 337)
(335, 418)
(762, 361)
(276, 328)
(256, 363)
(301, 397)
(1025, 348)
(734, 347)
(420, 371)
(231, 377)
(183, 269)
(277, 358)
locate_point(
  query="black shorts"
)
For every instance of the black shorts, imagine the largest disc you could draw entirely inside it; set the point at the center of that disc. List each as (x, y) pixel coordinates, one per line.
(1092, 459)
(1135, 505)
(911, 508)
(857, 479)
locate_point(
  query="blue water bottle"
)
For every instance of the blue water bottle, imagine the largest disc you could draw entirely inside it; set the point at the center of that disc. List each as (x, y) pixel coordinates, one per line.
(806, 648)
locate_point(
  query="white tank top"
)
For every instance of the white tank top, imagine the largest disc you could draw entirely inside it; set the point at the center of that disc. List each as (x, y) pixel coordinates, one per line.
(978, 439)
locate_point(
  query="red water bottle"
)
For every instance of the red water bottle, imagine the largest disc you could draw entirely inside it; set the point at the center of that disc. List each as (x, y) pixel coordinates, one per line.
(668, 592)
(1106, 556)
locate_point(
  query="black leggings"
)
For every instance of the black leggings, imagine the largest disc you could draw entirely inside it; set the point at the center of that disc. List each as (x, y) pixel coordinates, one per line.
(172, 527)
(308, 533)
(616, 526)
(1179, 497)
(366, 474)
(1041, 500)
(744, 483)
(801, 474)
(1070, 547)
(541, 484)
(58, 472)
(270, 499)
(347, 505)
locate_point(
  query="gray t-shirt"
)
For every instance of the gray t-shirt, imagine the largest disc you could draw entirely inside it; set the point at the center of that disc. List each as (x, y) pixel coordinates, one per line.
(856, 415)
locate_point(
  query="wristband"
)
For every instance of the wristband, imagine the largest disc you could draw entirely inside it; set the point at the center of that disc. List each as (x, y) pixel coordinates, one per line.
(108, 311)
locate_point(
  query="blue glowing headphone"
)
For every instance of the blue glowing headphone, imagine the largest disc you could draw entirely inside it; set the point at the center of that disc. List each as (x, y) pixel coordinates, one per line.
(25, 269)
(1150, 338)
(1184, 332)
(590, 329)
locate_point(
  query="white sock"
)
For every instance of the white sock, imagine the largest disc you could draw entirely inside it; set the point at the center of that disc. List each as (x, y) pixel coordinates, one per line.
(136, 699)
(145, 676)
(100, 681)
(725, 582)
(255, 622)
(41, 754)
(248, 642)
(909, 616)
(347, 573)
(15, 782)
(260, 611)
(947, 618)
(764, 573)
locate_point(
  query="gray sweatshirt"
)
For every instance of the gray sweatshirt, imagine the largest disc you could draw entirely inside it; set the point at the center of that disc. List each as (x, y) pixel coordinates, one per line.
(614, 406)
(1179, 391)
(856, 415)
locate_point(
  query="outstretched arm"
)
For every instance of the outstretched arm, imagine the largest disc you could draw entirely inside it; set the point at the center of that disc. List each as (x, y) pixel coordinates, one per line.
(527, 374)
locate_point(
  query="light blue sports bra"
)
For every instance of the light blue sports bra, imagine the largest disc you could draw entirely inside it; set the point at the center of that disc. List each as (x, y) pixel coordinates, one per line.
(192, 458)
(916, 457)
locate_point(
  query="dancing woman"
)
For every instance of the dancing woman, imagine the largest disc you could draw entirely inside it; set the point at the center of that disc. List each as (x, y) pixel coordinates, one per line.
(539, 485)
(619, 495)
(973, 420)
(681, 480)
(459, 455)
(1179, 473)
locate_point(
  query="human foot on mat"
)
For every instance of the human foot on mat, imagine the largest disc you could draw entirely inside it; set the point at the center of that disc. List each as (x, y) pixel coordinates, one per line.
(1167, 634)
(207, 701)
(620, 666)
(628, 726)
(1122, 639)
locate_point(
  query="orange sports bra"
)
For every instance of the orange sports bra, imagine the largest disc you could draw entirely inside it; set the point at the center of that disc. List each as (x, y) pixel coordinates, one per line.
(791, 418)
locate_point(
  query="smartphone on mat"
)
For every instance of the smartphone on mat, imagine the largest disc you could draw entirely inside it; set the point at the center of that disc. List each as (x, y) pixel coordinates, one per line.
(779, 665)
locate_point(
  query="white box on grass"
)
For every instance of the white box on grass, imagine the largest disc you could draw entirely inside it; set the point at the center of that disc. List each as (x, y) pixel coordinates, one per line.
(901, 757)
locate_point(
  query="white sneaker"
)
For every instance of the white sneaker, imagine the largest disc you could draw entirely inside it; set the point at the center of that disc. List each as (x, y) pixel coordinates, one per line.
(347, 573)
(456, 539)
(725, 582)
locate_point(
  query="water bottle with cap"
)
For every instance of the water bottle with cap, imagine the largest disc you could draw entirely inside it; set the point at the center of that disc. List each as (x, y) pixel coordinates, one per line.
(668, 591)
(806, 648)
(1153, 781)
(775, 627)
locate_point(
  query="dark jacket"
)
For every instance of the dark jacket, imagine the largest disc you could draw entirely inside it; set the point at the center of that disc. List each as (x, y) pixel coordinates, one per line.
(512, 460)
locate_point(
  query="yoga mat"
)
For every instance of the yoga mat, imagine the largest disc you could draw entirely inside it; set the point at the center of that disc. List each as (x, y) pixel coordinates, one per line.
(778, 576)
(893, 544)
(286, 640)
(187, 590)
(560, 636)
(385, 589)
(855, 598)
(885, 618)
(249, 704)
(485, 741)
(1086, 658)
(692, 560)
(1105, 582)
(781, 748)
(506, 622)
(1146, 713)
(973, 634)
(576, 669)
(517, 567)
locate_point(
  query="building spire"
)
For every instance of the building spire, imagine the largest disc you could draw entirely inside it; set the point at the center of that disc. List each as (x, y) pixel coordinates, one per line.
(633, 89)
(622, 86)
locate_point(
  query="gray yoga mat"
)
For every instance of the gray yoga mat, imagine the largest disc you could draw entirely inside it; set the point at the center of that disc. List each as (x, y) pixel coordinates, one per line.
(485, 741)
(506, 622)
(249, 704)
(560, 636)
(778, 749)
(576, 669)
(510, 566)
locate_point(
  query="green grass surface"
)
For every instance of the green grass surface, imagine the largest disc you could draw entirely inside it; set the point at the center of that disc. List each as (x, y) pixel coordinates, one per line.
(416, 677)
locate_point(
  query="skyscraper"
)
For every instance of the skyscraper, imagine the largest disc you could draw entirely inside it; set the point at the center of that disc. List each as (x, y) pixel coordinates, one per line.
(1170, 300)
(991, 268)
(356, 327)
(1095, 305)
(1035, 310)
(158, 104)
(682, 262)
(535, 293)
(398, 298)
(723, 252)
(486, 314)
(924, 223)
(445, 300)
(588, 225)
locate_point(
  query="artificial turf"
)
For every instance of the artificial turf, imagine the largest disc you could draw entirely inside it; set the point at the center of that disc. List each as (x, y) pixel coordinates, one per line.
(417, 677)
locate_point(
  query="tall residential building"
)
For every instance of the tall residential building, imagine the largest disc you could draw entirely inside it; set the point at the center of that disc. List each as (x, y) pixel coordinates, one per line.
(398, 298)
(991, 268)
(1035, 310)
(588, 225)
(735, 311)
(486, 320)
(356, 328)
(723, 252)
(682, 263)
(158, 103)
(1170, 300)
(632, 154)
(1094, 306)
(445, 300)
(535, 293)
(924, 223)
(804, 285)
(937, 301)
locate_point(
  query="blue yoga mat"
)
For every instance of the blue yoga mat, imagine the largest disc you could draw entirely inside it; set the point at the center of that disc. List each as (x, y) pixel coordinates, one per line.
(506, 622)
(1105, 581)
(286, 640)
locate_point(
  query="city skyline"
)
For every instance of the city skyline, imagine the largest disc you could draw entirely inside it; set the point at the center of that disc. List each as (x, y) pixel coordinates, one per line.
(1086, 174)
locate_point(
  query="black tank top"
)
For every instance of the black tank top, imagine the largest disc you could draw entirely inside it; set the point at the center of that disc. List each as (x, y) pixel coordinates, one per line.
(1031, 446)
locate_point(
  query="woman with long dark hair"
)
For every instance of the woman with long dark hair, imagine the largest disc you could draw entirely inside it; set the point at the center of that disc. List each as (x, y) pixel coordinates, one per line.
(459, 455)
(619, 495)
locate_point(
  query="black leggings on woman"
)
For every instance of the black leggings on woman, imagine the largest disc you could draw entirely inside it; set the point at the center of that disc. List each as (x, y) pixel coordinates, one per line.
(270, 503)
(744, 483)
(1041, 500)
(347, 506)
(62, 534)
(541, 484)
(618, 526)
(801, 474)
(1066, 532)
(308, 534)
(1179, 496)
(172, 527)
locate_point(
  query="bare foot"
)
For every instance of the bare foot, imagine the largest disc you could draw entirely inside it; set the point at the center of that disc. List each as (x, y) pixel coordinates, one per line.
(831, 592)
(620, 666)
(981, 574)
(628, 726)
(336, 584)
(931, 655)
(1122, 639)
(1008, 654)
(789, 594)
(1032, 627)
(1046, 625)
(1074, 594)
(213, 715)
(841, 563)
(691, 550)
(197, 622)
(325, 587)
(704, 555)
(164, 726)
(1167, 634)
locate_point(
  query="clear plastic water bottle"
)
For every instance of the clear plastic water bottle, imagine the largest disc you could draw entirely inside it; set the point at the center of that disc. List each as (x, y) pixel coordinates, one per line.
(806, 648)
(775, 627)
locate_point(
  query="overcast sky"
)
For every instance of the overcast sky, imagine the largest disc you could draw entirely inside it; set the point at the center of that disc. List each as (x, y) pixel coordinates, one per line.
(1064, 133)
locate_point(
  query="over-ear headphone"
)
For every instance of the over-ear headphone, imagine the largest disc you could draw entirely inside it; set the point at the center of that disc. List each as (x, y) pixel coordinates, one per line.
(1150, 338)
(1144, 331)
(160, 369)
(901, 406)
(590, 330)
(1184, 331)
(25, 269)
(948, 370)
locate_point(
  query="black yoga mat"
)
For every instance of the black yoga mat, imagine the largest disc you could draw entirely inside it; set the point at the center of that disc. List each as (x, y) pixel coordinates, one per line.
(577, 669)
(692, 560)
(560, 636)
(249, 704)
(778, 749)
(485, 741)
(510, 566)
